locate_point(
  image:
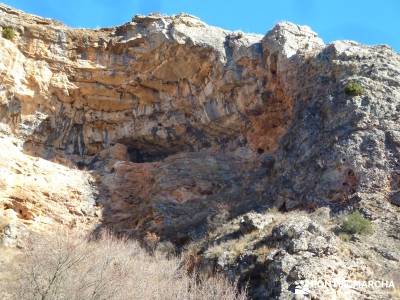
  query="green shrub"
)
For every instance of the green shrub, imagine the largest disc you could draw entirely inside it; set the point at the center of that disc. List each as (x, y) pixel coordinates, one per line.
(355, 223)
(8, 33)
(85, 40)
(353, 88)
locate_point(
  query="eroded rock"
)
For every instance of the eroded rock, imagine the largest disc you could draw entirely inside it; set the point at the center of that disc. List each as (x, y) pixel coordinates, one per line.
(178, 130)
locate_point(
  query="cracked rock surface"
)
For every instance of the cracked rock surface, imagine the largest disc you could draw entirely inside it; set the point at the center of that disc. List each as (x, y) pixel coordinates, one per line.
(245, 148)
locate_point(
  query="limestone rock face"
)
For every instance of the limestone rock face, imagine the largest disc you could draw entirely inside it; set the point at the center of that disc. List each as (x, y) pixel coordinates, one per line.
(166, 127)
(156, 82)
(40, 193)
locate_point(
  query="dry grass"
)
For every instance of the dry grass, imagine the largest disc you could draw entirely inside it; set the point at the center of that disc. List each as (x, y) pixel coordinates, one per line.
(233, 248)
(263, 252)
(396, 293)
(69, 267)
(3, 224)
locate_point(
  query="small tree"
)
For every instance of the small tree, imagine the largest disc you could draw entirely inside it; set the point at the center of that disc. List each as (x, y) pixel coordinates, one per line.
(353, 88)
(8, 33)
(355, 223)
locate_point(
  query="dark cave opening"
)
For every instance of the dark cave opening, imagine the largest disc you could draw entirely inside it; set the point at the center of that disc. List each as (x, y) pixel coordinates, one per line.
(138, 155)
(260, 150)
(140, 151)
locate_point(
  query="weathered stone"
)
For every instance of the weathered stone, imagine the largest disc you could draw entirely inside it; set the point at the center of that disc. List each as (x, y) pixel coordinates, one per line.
(188, 129)
(41, 194)
(395, 199)
(246, 225)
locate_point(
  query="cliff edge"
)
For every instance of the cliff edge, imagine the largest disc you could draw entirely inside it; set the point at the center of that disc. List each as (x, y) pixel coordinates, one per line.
(245, 151)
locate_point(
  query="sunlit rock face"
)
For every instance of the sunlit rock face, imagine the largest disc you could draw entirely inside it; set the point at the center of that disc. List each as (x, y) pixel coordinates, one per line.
(159, 86)
(40, 195)
(168, 82)
(169, 128)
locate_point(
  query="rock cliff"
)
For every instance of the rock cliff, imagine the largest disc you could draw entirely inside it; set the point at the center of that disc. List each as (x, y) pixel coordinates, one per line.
(169, 130)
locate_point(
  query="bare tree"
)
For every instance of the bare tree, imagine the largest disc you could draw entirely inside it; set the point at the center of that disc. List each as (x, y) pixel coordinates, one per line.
(67, 266)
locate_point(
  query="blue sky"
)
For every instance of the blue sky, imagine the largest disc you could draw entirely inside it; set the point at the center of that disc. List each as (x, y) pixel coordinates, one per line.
(366, 21)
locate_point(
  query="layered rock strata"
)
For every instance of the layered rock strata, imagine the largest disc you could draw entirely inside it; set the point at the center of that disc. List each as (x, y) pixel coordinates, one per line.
(169, 129)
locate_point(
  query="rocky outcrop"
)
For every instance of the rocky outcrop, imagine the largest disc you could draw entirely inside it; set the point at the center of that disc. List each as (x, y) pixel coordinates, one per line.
(158, 84)
(294, 255)
(173, 129)
(39, 195)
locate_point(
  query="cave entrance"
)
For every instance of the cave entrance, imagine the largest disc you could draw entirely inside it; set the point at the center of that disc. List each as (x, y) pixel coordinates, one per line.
(138, 155)
(143, 151)
(140, 151)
